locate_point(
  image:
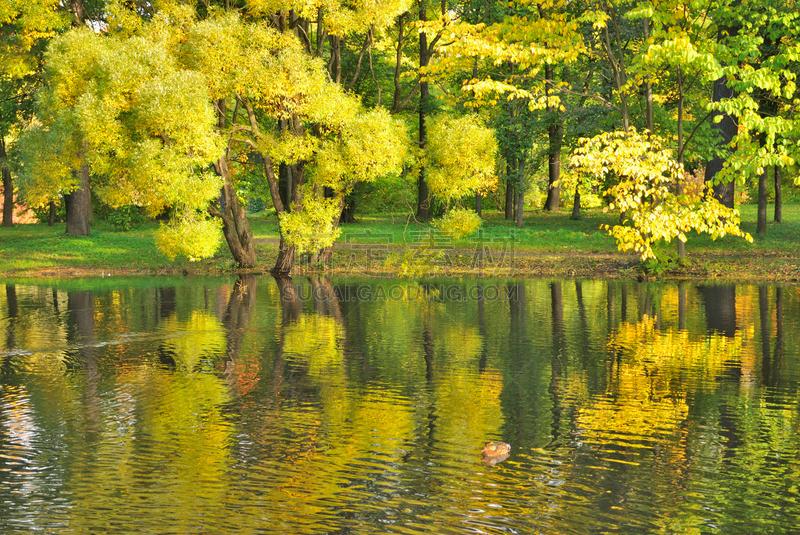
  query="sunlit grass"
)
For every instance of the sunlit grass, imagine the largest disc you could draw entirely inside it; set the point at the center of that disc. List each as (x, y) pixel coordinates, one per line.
(39, 248)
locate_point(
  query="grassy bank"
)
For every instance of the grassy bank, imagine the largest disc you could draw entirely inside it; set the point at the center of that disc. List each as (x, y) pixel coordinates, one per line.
(549, 245)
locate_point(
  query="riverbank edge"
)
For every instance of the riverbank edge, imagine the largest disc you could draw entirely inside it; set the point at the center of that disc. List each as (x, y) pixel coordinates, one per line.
(720, 268)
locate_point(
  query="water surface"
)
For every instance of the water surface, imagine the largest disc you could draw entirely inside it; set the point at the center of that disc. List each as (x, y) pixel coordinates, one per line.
(311, 406)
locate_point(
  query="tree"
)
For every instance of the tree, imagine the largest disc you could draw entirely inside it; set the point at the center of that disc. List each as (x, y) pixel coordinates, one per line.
(121, 112)
(644, 193)
(764, 98)
(169, 96)
(24, 28)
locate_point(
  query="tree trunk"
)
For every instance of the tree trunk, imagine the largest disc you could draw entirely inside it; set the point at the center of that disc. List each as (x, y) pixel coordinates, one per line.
(8, 186)
(520, 194)
(79, 202)
(335, 63)
(648, 87)
(349, 211)
(423, 195)
(78, 13)
(51, 214)
(723, 192)
(576, 203)
(479, 204)
(235, 225)
(285, 261)
(778, 197)
(510, 190)
(761, 220)
(555, 133)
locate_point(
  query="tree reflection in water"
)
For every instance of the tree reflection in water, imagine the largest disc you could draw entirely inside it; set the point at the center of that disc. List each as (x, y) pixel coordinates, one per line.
(292, 405)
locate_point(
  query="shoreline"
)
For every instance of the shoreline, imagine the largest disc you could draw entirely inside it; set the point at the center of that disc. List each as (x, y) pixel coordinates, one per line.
(733, 268)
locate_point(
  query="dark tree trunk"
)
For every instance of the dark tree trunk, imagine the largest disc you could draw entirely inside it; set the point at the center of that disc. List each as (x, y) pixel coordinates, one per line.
(79, 203)
(778, 196)
(520, 204)
(51, 214)
(285, 261)
(727, 128)
(8, 186)
(761, 219)
(423, 195)
(235, 225)
(349, 211)
(576, 203)
(510, 189)
(479, 204)
(78, 13)
(555, 133)
(335, 63)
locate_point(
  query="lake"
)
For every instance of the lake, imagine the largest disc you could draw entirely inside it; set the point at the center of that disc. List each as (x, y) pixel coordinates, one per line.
(358, 406)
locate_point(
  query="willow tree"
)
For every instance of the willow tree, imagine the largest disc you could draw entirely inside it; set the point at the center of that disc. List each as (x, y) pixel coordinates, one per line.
(265, 79)
(124, 113)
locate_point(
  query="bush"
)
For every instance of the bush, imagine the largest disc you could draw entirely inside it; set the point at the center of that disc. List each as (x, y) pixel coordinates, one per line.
(126, 218)
(460, 222)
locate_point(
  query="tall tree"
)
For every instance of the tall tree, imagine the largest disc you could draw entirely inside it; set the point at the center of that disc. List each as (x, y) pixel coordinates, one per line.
(24, 30)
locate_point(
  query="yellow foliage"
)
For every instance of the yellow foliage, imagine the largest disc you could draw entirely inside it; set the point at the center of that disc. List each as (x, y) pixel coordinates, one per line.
(371, 145)
(644, 192)
(124, 107)
(461, 156)
(190, 235)
(459, 222)
(311, 229)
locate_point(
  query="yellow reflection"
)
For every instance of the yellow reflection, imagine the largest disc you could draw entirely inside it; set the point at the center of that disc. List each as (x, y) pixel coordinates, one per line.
(313, 340)
(201, 333)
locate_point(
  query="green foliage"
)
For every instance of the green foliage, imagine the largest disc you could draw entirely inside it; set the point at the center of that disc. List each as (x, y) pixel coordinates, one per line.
(459, 222)
(644, 193)
(126, 218)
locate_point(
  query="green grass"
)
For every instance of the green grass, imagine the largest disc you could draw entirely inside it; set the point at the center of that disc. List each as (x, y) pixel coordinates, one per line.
(35, 250)
(542, 231)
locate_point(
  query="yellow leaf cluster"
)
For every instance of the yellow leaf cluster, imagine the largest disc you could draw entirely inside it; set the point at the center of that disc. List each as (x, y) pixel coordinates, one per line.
(144, 125)
(371, 145)
(644, 176)
(313, 228)
(190, 235)
(459, 222)
(461, 156)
